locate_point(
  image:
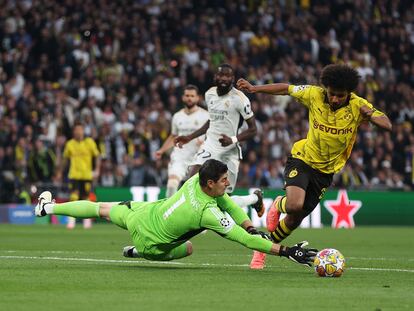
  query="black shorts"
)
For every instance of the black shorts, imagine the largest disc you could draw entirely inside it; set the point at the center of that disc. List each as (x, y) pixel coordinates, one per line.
(82, 187)
(314, 182)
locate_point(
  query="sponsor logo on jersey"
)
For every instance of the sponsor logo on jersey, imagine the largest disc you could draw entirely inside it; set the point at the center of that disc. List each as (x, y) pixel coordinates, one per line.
(299, 88)
(293, 173)
(331, 130)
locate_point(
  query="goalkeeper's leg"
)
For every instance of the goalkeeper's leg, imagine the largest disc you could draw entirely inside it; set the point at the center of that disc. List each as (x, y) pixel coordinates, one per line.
(181, 251)
(80, 209)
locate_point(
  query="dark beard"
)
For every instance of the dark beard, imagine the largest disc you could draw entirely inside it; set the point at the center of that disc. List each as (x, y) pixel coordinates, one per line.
(223, 90)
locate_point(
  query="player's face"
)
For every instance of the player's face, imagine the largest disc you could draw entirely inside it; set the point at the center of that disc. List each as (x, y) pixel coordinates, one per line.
(78, 132)
(190, 98)
(219, 188)
(336, 98)
(224, 79)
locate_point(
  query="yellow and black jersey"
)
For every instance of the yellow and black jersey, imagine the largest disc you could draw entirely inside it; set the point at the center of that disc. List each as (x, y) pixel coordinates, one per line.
(331, 134)
(81, 154)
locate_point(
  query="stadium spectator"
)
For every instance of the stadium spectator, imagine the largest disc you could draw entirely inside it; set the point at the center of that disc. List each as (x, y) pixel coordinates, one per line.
(136, 55)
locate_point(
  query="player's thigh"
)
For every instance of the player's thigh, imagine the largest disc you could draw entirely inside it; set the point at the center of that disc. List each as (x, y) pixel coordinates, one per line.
(160, 254)
(316, 190)
(85, 188)
(178, 168)
(297, 179)
(74, 186)
(202, 155)
(233, 163)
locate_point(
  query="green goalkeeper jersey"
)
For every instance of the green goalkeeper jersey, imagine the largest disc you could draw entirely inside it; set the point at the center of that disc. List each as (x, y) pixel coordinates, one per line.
(170, 222)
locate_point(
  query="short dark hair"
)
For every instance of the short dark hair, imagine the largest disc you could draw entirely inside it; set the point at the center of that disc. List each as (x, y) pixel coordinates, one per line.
(211, 170)
(191, 87)
(340, 77)
(225, 65)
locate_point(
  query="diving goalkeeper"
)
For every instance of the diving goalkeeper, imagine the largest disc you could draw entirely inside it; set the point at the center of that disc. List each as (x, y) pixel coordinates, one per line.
(161, 230)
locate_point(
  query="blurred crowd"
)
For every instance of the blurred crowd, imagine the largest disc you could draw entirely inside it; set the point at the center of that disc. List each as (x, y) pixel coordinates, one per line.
(120, 66)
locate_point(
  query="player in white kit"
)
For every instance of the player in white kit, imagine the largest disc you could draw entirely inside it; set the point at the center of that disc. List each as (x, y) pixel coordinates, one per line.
(184, 122)
(227, 108)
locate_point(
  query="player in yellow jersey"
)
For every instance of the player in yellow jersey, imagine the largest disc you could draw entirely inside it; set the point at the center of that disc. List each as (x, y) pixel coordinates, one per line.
(81, 152)
(335, 113)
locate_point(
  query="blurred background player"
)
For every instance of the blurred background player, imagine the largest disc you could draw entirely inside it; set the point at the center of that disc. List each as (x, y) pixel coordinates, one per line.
(161, 230)
(81, 152)
(335, 113)
(227, 108)
(184, 122)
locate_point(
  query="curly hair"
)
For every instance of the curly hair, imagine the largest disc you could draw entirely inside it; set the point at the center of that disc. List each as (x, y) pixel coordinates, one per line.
(339, 77)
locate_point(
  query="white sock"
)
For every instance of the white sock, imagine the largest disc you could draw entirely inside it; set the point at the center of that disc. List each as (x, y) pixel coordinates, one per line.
(71, 222)
(49, 208)
(172, 186)
(245, 200)
(170, 191)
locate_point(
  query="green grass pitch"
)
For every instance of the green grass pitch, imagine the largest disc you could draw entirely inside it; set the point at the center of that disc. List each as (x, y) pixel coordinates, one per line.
(46, 267)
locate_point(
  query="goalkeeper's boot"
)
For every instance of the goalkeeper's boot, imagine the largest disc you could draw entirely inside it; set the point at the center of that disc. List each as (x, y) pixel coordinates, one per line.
(44, 199)
(259, 206)
(258, 261)
(131, 252)
(273, 215)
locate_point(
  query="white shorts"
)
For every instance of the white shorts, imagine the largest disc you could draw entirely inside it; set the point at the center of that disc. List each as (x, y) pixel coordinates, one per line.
(179, 168)
(231, 157)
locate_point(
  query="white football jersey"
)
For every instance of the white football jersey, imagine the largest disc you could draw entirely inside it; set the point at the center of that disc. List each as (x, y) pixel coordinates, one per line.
(184, 124)
(226, 113)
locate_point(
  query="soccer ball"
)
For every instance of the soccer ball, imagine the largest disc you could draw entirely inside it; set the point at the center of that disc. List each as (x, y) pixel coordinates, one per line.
(329, 263)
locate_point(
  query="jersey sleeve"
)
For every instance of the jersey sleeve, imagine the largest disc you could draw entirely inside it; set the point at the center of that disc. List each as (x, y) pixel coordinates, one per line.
(214, 219)
(301, 93)
(174, 127)
(245, 107)
(227, 204)
(255, 242)
(93, 147)
(363, 102)
(66, 151)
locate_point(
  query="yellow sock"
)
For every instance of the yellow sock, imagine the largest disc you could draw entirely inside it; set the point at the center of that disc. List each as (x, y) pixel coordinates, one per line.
(281, 205)
(281, 232)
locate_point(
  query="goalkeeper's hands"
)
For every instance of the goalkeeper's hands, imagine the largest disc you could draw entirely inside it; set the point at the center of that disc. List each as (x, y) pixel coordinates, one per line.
(253, 231)
(299, 254)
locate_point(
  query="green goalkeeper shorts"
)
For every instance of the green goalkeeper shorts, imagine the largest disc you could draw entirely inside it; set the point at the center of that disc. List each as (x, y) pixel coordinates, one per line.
(131, 216)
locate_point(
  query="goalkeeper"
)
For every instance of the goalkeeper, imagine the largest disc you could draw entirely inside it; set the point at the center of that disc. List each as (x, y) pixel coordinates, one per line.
(161, 230)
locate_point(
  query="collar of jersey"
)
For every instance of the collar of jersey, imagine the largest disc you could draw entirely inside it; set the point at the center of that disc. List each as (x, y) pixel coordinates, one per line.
(202, 194)
(325, 99)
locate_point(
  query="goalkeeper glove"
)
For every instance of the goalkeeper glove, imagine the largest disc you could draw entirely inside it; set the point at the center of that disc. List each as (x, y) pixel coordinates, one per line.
(299, 254)
(253, 231)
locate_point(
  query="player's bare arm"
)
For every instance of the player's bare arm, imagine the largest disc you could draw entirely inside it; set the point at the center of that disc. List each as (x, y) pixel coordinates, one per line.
(274, 88)
(97, 171)
(380, 121)
(246, 135)
(167, 145)
(182, 140)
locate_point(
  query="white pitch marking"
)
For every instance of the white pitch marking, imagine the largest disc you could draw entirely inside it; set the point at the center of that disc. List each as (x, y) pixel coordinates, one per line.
(381, 269)
(174, 263)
